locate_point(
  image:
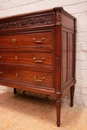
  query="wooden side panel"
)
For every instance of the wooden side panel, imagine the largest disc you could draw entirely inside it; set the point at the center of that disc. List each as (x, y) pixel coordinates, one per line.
(67, 22)
(70, 56)
(64, 56)
(57, 57)
(67, 57)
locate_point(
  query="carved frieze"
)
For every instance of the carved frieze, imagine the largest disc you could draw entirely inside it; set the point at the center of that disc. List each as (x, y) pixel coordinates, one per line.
(30, 21)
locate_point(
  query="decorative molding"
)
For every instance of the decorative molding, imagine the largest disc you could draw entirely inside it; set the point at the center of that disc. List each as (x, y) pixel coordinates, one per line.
(58, 18)
(30, 21)
(58, 63)
(58, 95)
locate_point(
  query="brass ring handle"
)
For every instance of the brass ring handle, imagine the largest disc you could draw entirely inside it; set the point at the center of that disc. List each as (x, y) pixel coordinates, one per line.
(16, 74)
(38, 61)
(39, 80)
(0, 72)
(36, 41)
(14, 40)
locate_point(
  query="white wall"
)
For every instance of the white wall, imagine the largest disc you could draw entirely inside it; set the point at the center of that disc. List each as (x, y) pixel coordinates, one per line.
(77, 8)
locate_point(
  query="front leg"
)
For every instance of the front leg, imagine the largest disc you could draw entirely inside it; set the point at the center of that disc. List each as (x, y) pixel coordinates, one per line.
(72, 95)
(15, 90)
(58, 110)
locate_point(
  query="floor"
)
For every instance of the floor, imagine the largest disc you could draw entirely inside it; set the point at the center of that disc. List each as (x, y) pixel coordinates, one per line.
(18, 112)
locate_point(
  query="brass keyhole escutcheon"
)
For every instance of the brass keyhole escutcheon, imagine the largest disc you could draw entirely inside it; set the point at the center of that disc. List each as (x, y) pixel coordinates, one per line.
(14, 40)
(16, 57)
(16, 74)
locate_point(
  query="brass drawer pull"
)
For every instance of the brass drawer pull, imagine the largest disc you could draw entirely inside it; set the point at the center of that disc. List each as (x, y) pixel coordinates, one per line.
(0, 57)
(38, 61)
(35, 41)
(14, 40)
(16, 74)
(39, 80)
(0, 72)
(16, 57)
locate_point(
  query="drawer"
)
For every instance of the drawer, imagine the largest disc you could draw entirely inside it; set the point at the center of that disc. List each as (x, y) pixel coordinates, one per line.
(33, 39)
(32, 77)
(26, 58)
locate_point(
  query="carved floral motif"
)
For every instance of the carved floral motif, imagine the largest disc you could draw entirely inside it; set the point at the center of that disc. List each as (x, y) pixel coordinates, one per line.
(31, 21)
(58, 18)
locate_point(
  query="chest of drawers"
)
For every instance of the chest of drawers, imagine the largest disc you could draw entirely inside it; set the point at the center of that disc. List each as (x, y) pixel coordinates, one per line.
(37, 53)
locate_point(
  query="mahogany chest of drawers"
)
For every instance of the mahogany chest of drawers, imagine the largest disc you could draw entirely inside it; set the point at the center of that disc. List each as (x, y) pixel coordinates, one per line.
(37, 53)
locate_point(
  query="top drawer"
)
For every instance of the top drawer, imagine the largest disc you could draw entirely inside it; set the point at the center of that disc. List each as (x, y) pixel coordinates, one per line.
(43, 39)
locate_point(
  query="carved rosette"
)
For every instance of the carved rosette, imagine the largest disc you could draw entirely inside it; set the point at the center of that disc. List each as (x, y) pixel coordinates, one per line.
(30, 21)
(58, 18)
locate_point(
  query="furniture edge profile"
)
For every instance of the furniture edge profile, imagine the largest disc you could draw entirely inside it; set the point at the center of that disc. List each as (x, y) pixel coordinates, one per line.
(52, 20)
(27, 21)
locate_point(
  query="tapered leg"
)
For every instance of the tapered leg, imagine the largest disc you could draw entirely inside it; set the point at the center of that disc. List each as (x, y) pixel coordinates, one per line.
(15, 91)
(58, 109)
(72, 95)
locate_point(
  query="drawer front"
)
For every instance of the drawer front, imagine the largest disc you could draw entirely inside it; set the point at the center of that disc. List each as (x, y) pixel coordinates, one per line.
(26, 58)
(36, 78)
(33, 39)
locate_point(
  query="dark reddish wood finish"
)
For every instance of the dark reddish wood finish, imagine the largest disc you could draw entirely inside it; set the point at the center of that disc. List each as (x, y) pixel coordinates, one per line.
(28, 58)
(27, 76)
(27, 40)
(37, 53)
